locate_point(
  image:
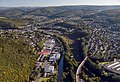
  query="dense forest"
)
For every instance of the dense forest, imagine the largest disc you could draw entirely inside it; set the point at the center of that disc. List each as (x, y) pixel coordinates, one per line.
(11, 23)
(16, 60)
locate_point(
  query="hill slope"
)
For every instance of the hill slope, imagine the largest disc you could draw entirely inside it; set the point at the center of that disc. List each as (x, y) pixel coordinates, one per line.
(48, 11)
(16, 60)
(12, 23)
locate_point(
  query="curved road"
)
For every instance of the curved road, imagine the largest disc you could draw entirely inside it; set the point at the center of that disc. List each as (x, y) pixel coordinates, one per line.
(79, 69)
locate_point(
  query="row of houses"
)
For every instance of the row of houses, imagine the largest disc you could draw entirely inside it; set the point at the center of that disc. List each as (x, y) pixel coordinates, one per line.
(48, 56)
(53, 55)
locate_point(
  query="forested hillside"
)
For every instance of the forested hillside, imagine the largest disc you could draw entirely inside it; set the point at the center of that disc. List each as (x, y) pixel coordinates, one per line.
(48, 11)
(11, 23)
(16, 62)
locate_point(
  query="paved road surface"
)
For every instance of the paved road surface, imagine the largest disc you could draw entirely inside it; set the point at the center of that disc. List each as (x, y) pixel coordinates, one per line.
(79, 69)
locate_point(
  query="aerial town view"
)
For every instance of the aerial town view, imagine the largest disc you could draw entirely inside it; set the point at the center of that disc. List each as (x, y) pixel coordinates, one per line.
(60, 41)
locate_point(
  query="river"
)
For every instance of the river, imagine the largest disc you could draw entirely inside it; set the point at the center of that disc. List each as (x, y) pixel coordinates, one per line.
(60, 67)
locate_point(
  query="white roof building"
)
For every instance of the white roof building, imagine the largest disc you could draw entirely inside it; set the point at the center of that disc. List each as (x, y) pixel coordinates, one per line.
(54, 57)
(49, 69)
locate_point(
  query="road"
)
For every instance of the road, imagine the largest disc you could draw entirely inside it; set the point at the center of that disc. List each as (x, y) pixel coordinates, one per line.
(79, 69)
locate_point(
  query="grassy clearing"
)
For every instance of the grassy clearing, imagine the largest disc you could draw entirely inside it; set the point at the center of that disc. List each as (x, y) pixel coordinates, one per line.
(44, 80)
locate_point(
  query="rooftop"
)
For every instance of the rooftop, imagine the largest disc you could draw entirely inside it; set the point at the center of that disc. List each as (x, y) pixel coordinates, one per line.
(113, 66)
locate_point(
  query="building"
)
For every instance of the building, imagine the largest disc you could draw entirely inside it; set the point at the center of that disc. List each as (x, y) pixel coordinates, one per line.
(113, 67)
(54, 57)
(49, 69)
